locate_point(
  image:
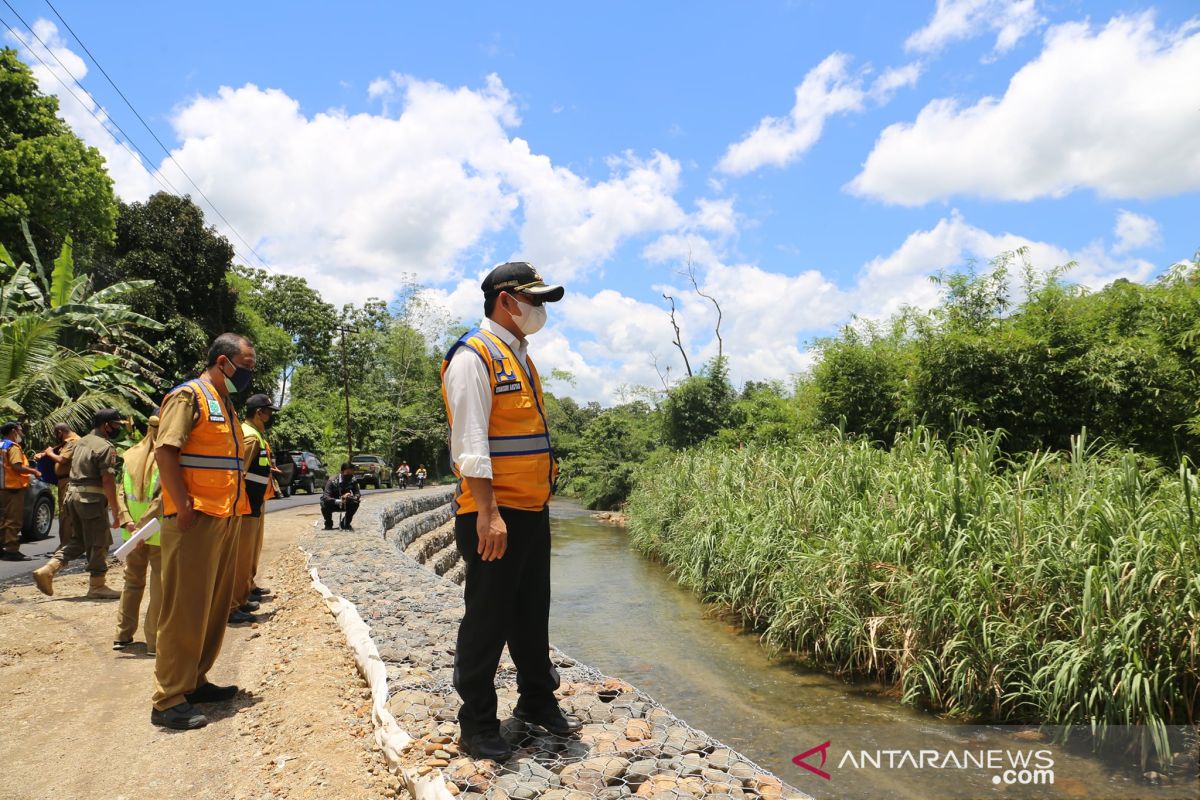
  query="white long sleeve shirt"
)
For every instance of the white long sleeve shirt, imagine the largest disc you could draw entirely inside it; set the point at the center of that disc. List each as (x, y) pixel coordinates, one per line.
(469, 392)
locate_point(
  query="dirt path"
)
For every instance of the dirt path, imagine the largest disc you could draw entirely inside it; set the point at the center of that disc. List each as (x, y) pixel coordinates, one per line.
(75, 715)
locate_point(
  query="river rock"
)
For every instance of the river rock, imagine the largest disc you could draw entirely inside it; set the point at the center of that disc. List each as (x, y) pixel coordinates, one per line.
(593, 774)
(671, 786)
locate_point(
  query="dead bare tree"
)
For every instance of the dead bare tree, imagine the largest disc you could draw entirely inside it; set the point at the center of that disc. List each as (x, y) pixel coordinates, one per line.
(691, 275)
(678, 340)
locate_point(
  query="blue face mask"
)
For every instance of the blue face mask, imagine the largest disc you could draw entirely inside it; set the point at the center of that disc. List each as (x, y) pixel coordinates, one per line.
(240, 380)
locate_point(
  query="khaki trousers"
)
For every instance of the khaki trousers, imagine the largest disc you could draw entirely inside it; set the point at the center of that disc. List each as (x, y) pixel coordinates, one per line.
(90, 534)
(249, 544)
(197, 588)
(65, 524)
(14, 511)
(143, 557)
(258, 545)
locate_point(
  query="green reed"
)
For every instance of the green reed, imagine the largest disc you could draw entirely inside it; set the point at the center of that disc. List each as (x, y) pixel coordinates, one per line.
(1059, 588)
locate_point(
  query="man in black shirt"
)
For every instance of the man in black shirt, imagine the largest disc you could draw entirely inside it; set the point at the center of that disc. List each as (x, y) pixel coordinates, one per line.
(341, 493)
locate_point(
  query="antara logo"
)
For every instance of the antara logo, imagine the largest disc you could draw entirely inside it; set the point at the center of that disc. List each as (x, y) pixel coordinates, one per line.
(800, 761)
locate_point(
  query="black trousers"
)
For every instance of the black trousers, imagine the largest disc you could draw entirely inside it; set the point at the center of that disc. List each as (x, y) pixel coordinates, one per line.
(508, 602)
(329, 506)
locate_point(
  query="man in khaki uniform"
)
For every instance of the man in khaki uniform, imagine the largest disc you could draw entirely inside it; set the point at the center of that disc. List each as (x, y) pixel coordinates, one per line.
(15, 473)
(259, 467)
(139, 499)
(91, 507)
(198, 451)
(60, 454)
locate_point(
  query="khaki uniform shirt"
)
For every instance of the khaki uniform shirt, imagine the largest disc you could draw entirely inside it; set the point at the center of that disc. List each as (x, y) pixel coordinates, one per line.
(92, 457)
(177, 418)
(63, 470)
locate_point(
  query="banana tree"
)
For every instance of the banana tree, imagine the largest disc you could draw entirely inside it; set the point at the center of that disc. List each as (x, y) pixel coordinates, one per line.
(65, 350)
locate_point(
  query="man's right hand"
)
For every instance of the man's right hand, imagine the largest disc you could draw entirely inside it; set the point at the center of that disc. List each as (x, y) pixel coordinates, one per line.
(131, 527)
(493, 535)
(187, 516)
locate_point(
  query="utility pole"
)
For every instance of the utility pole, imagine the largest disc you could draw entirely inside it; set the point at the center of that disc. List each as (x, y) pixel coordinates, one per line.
(343, 330)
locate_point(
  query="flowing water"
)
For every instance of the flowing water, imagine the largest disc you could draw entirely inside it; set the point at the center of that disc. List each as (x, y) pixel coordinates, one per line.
(624, 615)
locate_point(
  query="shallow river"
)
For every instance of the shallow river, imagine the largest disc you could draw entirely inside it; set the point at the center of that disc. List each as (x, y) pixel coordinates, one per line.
(624, 615)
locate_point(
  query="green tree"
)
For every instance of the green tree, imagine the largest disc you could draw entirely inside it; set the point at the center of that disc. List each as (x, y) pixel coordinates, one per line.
(66, 350)
(47, 174)
(700, 406)
(165, 240)
(289, 323)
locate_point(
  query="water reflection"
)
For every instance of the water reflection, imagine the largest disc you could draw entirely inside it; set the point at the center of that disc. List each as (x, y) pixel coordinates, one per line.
(625, 616)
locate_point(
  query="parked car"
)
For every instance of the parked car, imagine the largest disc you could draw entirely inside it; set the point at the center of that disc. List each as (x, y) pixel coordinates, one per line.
(309, 475)
(372, 471)
(39, 511)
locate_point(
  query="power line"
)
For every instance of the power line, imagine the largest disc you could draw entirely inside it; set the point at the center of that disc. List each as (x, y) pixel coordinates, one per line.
(150, 130)
(127, 142)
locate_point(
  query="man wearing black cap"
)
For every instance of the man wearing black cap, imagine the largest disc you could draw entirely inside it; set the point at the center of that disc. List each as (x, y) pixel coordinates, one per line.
(500, 446)
(15, 473)
(91, 505)
(260, 487)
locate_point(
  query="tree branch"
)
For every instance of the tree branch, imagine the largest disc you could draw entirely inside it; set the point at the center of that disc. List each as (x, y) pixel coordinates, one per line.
(678, 342)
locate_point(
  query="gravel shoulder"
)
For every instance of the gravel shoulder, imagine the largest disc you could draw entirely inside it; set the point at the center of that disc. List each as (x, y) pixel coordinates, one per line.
(75, 714)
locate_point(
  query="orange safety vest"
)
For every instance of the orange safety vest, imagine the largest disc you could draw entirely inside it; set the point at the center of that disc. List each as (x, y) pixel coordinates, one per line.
(523, 468)
(211, 457)
(12, 478)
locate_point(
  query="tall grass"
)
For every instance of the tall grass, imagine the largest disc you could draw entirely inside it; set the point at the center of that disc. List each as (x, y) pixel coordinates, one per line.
(1061, 588)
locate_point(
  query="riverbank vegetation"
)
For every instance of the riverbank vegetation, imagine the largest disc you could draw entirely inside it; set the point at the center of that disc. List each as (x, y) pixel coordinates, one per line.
(1049, 587)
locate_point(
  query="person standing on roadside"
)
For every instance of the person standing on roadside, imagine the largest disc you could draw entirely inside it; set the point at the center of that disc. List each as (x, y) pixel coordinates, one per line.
(198, 450)
(91, 507)
(15, 480)
(60, 454)
(500, 448)
(259, 466)
(139, 500)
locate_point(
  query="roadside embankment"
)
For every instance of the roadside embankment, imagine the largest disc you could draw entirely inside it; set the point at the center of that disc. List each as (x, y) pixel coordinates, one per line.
(76, 714)
(389, 572)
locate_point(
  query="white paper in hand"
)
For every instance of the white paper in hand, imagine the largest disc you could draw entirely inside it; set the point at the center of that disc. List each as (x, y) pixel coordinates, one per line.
(140, 535)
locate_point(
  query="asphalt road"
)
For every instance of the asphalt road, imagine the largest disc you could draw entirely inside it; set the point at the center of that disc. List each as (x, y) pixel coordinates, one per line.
(40, 551)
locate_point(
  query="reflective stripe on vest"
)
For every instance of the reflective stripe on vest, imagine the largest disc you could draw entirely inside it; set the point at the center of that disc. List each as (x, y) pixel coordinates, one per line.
(12, 479)
(138, 506)
(211, 457)
(260, 472)
(523, 469)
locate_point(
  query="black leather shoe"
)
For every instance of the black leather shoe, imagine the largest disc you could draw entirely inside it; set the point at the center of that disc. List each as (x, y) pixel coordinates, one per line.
(553, 721)
(488, 744)
(249, 606)
(14, 555)
(182, 717)
(211, 693)
(237, 617)
(328, 526)
(121, 645)
(260, 591)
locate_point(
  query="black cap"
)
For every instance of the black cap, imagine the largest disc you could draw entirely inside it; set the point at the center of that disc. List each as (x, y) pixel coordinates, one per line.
(520, 276)
(105, 416)
(257, 401)
(9, 427)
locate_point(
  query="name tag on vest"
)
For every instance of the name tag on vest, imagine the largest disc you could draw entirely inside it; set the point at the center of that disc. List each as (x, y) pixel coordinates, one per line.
(215, 412)
(503, 388)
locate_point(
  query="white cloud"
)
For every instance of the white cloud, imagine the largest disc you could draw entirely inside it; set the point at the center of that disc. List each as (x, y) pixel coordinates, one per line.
(957, 20)
(349, 201)
(56, 69)
(1134, 231)
(1106, 110)
(828, 89)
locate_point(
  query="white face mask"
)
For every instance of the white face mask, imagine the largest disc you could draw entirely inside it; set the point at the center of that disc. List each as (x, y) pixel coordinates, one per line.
(531, 319)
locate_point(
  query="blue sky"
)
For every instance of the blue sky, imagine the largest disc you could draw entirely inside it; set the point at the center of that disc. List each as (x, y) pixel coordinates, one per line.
(815, 163)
